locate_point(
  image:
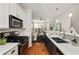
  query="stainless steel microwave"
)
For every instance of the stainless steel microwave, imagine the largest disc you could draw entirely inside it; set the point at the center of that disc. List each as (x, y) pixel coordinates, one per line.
(15, 22)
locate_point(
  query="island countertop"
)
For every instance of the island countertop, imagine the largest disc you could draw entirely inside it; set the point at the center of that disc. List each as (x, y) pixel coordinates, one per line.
(65, 48)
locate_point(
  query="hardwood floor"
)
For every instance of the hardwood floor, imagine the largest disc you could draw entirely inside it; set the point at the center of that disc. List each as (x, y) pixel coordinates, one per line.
(38, 48)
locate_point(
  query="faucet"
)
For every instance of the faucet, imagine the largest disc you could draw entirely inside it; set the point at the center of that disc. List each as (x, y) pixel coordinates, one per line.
(74, 38)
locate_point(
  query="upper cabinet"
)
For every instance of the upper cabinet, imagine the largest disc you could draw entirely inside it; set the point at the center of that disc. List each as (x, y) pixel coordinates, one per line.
(22, 15)
(13, 9)
(7, 9)
(4, 15)
(20, 11)
(16, 10)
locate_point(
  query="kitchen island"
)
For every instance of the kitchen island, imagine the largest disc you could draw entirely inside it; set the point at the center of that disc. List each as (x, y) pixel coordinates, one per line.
(63, 48)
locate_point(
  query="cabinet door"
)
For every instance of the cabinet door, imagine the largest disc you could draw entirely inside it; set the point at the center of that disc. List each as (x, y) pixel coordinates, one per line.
(20, 12)
(4, 15)
(13, 9)
(13, 51)
(24, 19)
(52, 48)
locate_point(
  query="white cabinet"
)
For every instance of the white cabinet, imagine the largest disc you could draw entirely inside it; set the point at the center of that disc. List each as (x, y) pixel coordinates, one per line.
(22, 15)
(13, 9)
(24, 32)
(16, 10)
(20, 11)
(24, 19)
(4, 15)
(13, 51)
(7, 9)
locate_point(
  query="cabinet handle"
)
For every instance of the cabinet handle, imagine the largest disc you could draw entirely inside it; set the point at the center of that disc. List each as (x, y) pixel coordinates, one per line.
(12, 51)
(23, 44)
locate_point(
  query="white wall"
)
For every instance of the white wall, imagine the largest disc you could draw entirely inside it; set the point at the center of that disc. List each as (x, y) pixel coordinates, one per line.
(75, 18)
(74, 21)
(65, 21)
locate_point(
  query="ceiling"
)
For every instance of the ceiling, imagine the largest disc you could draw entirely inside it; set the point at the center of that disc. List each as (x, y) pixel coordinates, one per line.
(48, 10)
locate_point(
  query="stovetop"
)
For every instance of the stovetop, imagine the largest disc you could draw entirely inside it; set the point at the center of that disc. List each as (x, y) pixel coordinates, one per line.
(18, 39)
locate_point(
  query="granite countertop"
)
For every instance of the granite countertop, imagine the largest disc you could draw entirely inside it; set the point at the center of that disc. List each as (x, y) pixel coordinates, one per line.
(7, 47)
(65, 48)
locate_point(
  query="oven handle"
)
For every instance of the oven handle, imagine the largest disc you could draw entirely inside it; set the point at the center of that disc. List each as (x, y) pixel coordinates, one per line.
(23, 44)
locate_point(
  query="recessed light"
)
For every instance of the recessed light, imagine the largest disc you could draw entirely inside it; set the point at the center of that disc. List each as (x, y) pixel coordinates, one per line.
(57, 20)
(70, 15)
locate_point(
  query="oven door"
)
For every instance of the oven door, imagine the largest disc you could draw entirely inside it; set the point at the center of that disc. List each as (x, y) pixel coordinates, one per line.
(22, 48)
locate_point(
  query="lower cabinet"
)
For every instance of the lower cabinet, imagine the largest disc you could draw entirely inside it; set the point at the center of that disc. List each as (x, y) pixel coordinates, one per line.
(52, 49)
(59, 52)
(40, 38)
(13, 51)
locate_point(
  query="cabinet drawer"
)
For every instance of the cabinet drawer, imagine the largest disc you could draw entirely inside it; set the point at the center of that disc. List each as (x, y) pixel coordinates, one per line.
(13, 51)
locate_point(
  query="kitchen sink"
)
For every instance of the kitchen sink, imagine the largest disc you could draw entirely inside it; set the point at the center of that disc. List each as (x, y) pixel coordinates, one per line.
(59, 40)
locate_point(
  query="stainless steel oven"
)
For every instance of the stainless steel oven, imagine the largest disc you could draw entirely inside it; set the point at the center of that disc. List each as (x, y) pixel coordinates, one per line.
(15, 22)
